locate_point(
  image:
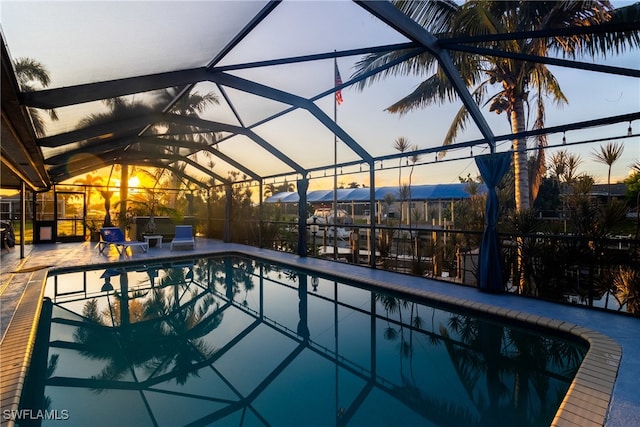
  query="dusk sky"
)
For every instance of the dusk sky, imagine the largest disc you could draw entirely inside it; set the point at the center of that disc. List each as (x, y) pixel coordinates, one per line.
(124, 39)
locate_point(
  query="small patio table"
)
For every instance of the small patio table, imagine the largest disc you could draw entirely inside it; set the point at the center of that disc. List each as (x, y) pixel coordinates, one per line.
(158, 238)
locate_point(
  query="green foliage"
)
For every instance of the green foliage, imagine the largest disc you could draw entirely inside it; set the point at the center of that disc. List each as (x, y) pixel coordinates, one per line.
(549, 196)
(633, 189)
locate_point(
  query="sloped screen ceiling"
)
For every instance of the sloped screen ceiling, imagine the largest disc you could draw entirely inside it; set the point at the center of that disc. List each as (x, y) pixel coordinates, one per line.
(253, 83)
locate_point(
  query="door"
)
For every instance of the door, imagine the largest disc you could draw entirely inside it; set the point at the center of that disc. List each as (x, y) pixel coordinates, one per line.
(69, 214)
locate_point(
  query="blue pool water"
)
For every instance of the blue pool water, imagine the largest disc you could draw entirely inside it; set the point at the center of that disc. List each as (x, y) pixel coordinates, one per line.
(241, 342)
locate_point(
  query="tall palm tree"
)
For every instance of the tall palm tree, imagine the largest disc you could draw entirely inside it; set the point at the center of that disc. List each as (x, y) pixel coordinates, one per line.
(608, 155)
(189, 105)
(285, 187)
(415, 158)
(401, 144)
(91, 182)
(118, 109)
(269, 190)
(516, 83)
(29, 72)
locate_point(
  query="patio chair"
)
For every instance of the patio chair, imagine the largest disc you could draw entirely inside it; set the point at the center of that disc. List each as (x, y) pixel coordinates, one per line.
(113, 236)
(183, 237)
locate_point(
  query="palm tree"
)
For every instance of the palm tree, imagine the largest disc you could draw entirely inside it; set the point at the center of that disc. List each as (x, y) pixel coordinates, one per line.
(414, 159)
(191, 105)
(93, 181)
(28, 72)
(401, 144)
(517, 82)
(119, 109)
(558, 165)
(608, 155)
(269, 190)
(286, 187)
(571, 168)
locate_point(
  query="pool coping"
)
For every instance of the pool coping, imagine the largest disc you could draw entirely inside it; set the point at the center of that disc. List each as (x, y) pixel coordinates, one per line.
(16, 347)
(586, 403)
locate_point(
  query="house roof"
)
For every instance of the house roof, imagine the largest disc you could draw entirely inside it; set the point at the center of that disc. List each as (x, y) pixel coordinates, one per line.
(418, 193)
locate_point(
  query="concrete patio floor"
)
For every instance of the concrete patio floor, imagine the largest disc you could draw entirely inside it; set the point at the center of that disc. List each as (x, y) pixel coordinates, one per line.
(623, 409)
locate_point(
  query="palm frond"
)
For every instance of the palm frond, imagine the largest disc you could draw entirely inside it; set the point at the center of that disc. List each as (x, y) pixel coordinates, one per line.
(418, 63)
(28, 70)
(590, 13)
(458, 124)
(608, 153)
(434, 90)
(435, 16)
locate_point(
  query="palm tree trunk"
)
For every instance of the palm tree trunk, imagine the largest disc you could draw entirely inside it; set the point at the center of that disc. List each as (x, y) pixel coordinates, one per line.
(124, 194)
(521, 177)
(521, 172)
(609, 185)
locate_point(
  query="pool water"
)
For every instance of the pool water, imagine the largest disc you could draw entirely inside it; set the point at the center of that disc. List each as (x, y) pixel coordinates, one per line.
(241, 342)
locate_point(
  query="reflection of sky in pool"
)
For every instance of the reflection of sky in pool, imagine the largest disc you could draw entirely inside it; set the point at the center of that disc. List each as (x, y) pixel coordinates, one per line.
(233, 341)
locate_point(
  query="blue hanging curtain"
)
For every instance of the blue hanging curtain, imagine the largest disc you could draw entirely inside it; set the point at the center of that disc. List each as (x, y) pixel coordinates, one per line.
(303, 186)
(226, 232)
(492, 168)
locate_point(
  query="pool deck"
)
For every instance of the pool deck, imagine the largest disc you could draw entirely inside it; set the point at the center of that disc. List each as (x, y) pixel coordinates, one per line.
(604, 391)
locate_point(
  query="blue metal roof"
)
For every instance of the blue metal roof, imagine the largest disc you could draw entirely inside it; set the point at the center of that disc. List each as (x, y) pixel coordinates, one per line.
(418, 192)
(284, 197)
(317, 195)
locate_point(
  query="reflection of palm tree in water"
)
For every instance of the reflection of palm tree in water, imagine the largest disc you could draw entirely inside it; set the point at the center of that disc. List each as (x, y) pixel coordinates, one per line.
(397, 305)
(231, 276)
(506, 354)
(434, 408)
(480, 349)
(159, 335)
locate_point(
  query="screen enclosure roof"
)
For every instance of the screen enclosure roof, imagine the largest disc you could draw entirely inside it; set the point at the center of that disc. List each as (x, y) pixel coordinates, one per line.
(205, 88)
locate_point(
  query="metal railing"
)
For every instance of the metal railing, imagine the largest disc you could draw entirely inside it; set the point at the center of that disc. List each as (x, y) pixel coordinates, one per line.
(602, 272)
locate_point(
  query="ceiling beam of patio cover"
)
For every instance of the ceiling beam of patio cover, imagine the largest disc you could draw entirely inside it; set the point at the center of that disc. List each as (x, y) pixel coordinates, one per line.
(259, 17)
(61, 173)
(218, 127)
(178, 158)
(88, 92)
(203, 147)
(184, 176)
(160, 165)
(546, 60)
(101, 130)
(78, 94)
(106, 146)
(293, 100)
(96, 149)
(69, 169)
(615, 27)
(392, 16)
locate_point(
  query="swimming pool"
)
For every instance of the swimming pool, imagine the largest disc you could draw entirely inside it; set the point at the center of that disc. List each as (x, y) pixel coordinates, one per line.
(239, 341)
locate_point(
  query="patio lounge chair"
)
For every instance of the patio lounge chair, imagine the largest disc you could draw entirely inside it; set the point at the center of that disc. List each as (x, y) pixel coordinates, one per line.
(184, 237)
(113, 236)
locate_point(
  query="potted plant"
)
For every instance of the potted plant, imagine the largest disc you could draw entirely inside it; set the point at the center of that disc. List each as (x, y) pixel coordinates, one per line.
(148, 203)
(93, 225)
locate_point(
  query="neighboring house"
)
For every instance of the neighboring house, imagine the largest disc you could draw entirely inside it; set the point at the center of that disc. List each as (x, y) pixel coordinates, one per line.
(618, 191)
(356, 201)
